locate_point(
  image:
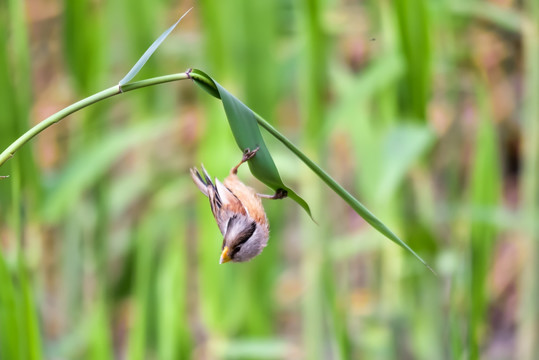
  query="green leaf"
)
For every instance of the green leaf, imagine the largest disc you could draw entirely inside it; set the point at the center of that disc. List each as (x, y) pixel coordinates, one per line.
(402, 147)
(500, 16)
(258, 348)
(140, 63)
(10, 342)
(79, 175)
(240, 116)
(244, 126)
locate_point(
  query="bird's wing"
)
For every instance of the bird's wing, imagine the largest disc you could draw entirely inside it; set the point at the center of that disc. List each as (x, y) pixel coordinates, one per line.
(228, 206)
(224, 204)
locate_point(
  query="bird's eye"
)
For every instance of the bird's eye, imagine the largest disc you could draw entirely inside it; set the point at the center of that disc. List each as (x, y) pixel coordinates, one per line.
(235, 250)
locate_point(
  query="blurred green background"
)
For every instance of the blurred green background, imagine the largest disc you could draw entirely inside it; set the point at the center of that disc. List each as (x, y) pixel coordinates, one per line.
(427, 111)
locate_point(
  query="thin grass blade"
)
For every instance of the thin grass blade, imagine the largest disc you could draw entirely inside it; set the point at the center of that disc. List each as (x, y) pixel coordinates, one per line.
(10, 342)
(485, 190)
(78, 177)
(144, 58)
(402, 147)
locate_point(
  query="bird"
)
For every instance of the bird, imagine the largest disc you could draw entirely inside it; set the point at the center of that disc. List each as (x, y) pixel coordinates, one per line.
(238, 210)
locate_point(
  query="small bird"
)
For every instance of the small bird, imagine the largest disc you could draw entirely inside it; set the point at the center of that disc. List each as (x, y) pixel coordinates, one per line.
(238, 211)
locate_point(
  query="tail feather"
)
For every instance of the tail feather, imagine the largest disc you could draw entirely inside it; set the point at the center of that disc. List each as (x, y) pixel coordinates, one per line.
(207, 187)
(206, 176)
(199, 181)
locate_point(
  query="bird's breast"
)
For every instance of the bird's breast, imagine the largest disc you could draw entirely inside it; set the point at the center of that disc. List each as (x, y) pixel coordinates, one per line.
(248, 197)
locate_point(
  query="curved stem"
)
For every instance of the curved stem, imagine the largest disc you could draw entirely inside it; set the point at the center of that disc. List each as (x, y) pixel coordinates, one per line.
(102, 95)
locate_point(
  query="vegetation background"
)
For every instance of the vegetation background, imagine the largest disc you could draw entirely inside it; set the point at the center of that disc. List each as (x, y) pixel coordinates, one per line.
(428, 111)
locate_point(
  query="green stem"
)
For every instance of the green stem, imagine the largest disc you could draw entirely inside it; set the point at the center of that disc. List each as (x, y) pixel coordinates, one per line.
(528, 312)
(342, 192)
(102, 95)
(115, 90)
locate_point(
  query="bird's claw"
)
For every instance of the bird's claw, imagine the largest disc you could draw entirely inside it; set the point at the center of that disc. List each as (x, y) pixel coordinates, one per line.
(279, 194)
(248, 154)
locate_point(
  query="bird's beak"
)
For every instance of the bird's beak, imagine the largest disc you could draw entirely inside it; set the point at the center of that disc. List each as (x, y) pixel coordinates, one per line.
(224, 256)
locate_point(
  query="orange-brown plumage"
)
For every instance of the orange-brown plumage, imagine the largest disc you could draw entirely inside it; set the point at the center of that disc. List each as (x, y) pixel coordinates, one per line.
(239, 213)
(248, 198)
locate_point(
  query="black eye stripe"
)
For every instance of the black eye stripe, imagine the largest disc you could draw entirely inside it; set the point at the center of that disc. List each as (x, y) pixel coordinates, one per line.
(244, 236)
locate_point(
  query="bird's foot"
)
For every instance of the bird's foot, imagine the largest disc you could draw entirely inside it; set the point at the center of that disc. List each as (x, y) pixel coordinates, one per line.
(279, 194)
(248, 154)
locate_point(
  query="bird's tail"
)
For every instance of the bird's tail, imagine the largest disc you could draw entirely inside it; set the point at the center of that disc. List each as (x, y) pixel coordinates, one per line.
(200, 182)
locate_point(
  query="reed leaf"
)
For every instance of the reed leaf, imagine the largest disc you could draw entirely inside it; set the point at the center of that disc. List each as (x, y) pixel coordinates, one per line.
(142, 61)
(243, 124)
(247, 135)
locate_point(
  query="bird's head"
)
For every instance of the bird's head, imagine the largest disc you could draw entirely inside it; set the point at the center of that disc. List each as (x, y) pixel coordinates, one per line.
(244, 239)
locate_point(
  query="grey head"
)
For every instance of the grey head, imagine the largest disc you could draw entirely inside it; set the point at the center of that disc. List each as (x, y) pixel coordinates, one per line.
(244, 239)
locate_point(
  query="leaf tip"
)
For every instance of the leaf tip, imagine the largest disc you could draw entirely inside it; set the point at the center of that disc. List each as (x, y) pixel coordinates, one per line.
(431, 269)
